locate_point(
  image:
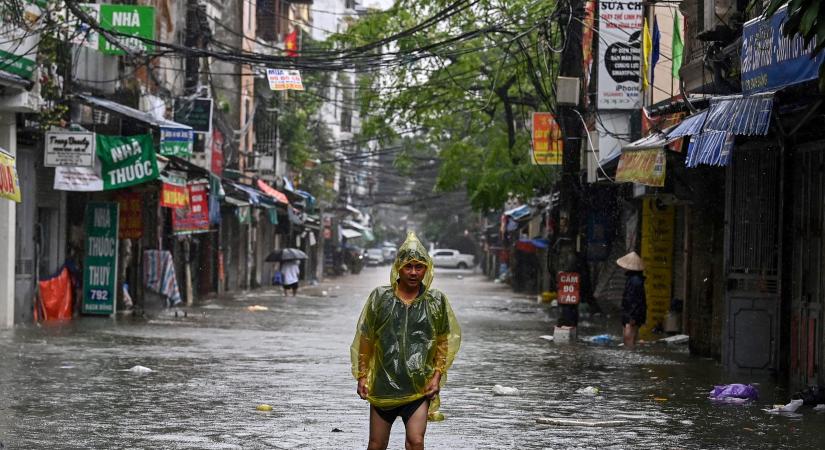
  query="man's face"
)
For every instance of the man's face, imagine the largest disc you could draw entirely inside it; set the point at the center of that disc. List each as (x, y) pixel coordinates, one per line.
(411, 274)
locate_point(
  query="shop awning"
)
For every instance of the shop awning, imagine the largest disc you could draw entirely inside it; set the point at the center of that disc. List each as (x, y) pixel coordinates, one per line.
(131, 113)
(745, 116)
(654, 141)
(519, 212)
(642, 166)
(235, 201)
(270, 191)
(350, 233)
(14, 81)
(689, 127)
(710, 148)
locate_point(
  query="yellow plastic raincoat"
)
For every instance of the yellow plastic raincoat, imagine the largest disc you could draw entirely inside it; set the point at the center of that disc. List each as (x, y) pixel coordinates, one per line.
(398, 347)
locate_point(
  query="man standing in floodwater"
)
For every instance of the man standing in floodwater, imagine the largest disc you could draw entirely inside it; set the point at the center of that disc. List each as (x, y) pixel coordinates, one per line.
(405, 341)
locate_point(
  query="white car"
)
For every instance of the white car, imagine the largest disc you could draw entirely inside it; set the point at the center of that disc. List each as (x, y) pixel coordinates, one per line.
(444, 257)
(374, 256)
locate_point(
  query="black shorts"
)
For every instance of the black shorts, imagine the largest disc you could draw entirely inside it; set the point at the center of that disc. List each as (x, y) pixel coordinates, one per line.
(292, 286)
(405, 411)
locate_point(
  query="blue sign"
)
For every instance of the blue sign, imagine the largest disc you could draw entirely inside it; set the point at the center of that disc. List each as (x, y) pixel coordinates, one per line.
(770, 60)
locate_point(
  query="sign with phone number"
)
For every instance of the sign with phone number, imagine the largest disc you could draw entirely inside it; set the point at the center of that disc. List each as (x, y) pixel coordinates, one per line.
(100, 262)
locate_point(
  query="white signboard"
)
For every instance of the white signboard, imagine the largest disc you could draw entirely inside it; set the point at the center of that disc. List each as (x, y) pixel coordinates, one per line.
(620, 38)
(69, 148)
(282, 80)
(78, 179)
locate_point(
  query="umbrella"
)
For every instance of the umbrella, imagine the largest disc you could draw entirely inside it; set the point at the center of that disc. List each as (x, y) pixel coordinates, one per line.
(286, 254)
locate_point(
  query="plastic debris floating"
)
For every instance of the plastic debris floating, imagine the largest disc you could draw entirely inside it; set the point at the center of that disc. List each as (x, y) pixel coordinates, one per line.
(503, 390)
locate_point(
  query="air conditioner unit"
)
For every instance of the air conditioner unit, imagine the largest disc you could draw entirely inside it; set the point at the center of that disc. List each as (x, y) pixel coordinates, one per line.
(567, 91)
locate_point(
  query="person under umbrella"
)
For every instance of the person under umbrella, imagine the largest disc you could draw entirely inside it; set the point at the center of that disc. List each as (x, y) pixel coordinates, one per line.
(291, 272)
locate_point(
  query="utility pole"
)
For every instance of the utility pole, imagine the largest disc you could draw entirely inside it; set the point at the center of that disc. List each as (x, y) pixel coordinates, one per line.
(568, 245)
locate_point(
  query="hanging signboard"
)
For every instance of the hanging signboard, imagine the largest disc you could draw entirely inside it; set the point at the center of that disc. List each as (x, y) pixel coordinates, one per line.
(282, 80)
(194, 218)
(78, 179)
(620, 30)
(176, 142)
(771, 60)
(657, 254)
(9, 184)
(132, 20)
(100, 260)
(173, 192)
(567, 284)
(588, 25)
(195, 113)
(217, 153)
(19, 37)
(69, 148)
(131, 215)
(642, 166)
(547, 140)
(126, 160)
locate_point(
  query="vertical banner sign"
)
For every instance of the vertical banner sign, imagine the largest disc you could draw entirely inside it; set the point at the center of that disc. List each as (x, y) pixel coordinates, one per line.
(176, 142)
(547, 140)
(19, 37)
(568, 288)
(126, 160)
(9, 185)
(100, 262)
(217, 153)
(131, 20)
(195, 218)
(587, 47)
(620, 36)
(657, 254)
(131, 215)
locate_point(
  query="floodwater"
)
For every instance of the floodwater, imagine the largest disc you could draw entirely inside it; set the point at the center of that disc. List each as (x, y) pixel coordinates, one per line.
(68, 386)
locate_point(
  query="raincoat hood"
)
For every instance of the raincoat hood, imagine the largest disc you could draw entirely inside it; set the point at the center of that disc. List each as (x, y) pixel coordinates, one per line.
(411, 251)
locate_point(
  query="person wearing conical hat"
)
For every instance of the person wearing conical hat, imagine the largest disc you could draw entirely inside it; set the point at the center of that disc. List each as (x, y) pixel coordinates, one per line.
(405, 341)
(634, 304)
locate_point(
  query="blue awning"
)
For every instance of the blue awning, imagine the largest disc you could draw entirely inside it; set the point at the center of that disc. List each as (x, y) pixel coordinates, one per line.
(518, 212)
(711, 148)
(739, 115)
(689, 127)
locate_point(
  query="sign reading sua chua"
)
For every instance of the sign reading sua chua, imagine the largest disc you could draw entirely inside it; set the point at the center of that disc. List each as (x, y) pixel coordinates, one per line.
(126, 160)
(100, 262)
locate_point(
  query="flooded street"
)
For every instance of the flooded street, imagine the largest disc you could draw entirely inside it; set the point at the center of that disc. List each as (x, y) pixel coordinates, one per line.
(69, 387)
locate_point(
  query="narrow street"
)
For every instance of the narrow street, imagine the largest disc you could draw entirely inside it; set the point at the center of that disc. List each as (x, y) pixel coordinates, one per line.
(214, 367)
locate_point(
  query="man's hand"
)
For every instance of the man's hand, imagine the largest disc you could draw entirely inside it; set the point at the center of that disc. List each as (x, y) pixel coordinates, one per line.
(363, 390)
(433, 387)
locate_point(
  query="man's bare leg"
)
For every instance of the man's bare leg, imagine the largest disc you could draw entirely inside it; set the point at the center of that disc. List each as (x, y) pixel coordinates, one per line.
(379, 431)
(416, 427)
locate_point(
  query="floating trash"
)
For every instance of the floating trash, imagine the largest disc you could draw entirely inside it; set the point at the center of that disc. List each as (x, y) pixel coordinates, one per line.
(503, 390)
(139, 369)
(264, 407)
(589, 390)
(254, 308)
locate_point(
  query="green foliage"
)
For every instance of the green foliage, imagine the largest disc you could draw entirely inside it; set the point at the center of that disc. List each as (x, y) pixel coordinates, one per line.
(468, 101)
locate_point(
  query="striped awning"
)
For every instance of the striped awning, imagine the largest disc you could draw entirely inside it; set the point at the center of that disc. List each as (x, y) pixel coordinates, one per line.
(710, 148)
(744, 116)
(689, 127)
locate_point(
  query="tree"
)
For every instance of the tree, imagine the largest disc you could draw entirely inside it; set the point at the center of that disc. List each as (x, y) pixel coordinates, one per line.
(465, 86)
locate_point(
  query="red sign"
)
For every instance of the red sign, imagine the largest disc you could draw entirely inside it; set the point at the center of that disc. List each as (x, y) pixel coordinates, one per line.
(567, 285)
(131, 215)
(195, 217)
(217, 152)
(173, 196)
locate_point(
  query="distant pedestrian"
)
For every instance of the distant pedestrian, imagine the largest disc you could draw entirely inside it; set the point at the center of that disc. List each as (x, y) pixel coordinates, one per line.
(634, 305)
(290, 271)
(405, 340)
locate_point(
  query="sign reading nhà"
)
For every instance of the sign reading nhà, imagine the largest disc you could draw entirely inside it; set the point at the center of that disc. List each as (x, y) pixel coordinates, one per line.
(771, 60)
(100, 259)
(620, 29)
(69, 149)
(547, 139)
(126, 160)
(568, 288)
(137, 22)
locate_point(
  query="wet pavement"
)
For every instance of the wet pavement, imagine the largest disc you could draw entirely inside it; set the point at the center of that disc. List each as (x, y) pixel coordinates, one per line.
(69, 386)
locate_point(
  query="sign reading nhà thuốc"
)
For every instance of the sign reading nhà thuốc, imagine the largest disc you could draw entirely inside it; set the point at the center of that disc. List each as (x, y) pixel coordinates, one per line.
(100, 261)
(137, 22)
(69, 148)
(126, 160)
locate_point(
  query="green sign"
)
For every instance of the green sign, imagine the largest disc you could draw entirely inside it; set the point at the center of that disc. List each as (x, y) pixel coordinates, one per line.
(131, 20)
(100, 262)
(196, 113)
(126, 160)
(176, 142)
(19, 37)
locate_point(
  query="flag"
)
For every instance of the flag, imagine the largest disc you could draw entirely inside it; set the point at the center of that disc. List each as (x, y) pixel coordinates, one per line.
(291, 43)
(646, 50)
(677, 46)
(654, 57)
